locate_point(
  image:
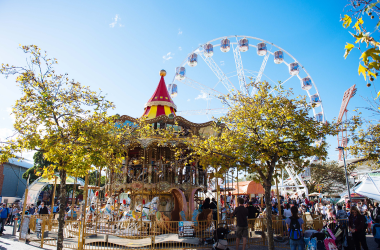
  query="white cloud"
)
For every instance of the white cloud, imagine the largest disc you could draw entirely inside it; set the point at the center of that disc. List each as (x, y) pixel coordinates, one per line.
(203, 96)
(180, 48)
(179, 32)
(121, 25)
(115, 20)
(168, 56)
(188, 100)
(222, 63)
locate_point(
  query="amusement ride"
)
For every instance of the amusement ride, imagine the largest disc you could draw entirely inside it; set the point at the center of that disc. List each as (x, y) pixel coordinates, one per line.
(154, 189)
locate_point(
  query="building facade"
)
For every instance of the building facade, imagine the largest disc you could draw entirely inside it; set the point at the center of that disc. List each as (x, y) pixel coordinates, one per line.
(12, 185)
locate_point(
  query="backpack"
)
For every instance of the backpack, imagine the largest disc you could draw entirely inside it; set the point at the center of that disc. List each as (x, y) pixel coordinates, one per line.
(294, 229)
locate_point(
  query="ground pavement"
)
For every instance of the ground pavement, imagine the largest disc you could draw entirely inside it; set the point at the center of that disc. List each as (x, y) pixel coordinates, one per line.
(7, 241)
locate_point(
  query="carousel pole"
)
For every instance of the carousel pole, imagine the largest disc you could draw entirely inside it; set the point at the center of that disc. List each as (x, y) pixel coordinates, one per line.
(279, 206)
(53, 197)
(52, 203)
(82, 237)
(72, 199)
(217, 197)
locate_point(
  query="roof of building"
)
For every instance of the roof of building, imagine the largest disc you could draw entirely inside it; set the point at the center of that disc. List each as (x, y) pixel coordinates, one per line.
(160, 103)
(24, 163)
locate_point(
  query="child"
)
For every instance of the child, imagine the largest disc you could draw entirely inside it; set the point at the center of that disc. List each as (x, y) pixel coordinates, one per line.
(376, 233)
(369, 222)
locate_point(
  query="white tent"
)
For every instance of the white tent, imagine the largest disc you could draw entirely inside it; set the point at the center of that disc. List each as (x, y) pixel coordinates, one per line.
(369, 186)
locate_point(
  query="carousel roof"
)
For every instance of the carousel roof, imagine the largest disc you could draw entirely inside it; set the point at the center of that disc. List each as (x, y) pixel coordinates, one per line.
(160, 103)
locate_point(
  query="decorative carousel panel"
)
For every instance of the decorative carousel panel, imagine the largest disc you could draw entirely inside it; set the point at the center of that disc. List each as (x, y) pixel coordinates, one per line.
(164, 186)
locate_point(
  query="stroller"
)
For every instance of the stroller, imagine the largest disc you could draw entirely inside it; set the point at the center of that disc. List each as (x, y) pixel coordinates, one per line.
(220, 237)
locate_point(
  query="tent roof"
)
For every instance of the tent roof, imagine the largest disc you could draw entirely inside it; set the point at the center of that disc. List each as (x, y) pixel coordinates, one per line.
(369, 187)
(247, 187)
(69, 180)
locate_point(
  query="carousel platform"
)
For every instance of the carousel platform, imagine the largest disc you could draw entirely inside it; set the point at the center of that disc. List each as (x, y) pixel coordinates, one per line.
(109, 240)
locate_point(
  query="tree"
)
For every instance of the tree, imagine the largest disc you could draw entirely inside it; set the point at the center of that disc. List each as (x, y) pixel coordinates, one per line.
(40, 163)
(264, 133)
(364, 18)
(330, 175)
(366, 37)
(93, 178)
(65, 121)
(365, 137)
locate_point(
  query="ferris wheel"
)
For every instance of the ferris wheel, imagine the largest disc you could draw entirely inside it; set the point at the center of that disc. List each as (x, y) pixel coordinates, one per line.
(243, 71)
(249, 59)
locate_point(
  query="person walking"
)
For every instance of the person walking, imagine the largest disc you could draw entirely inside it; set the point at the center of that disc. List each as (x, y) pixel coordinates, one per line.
(43, 209)
(376, 213)
(356, 223)
(15, 211)
(4, 214)
(32, 209)
(287, 213)
(295, 226)
(241, 214)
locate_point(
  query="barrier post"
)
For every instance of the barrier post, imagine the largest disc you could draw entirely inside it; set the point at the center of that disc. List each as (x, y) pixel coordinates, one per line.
(52, 203)
(80, 245)
(42, 232)
(23, 208)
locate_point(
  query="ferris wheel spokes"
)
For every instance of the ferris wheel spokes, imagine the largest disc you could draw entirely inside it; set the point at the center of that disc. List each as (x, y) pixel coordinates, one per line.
(240, 69)
(282, 83)
(203, 88)
(218, 72)
(260, 74)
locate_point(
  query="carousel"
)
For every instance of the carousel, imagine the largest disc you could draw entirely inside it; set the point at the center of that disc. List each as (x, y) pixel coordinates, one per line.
(154, 190)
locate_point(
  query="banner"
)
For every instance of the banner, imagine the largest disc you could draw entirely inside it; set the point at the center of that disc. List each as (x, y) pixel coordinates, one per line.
(186, 229)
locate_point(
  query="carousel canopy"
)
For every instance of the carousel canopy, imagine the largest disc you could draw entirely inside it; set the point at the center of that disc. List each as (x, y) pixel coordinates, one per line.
(160, 103)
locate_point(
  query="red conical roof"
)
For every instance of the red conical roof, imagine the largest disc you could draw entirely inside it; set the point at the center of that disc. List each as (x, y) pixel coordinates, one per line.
(160, 103)
(161, 94)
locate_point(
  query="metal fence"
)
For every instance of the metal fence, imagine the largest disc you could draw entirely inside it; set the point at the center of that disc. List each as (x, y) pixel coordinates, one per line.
(145, 234)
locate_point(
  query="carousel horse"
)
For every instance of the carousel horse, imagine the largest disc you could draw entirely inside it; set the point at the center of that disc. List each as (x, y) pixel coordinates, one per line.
(91, 210)
(108, 210)
(129, 220)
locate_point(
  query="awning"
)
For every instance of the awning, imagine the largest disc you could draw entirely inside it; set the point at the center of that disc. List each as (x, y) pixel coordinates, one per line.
(247, 187)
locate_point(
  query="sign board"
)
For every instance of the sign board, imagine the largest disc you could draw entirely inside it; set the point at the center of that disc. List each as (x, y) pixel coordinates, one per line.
(38, 227)
(186, 229)
(25, 227)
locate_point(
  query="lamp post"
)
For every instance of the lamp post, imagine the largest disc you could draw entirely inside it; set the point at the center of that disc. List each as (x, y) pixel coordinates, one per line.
(345, 169)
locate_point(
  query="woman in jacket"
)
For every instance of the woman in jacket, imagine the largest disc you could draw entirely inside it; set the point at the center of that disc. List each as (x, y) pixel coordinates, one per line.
(357, 226)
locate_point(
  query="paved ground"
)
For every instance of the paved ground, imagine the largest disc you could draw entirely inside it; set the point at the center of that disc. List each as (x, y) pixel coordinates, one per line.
(7, 241)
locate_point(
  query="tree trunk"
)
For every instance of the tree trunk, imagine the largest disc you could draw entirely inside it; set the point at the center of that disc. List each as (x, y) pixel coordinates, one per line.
(61, 217)
(267, 188)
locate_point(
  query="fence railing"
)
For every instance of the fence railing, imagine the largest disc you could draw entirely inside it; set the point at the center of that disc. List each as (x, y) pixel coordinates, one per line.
(146, 234)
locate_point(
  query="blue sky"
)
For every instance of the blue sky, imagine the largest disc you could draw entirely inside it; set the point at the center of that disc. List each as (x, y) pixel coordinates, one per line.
(120, 46)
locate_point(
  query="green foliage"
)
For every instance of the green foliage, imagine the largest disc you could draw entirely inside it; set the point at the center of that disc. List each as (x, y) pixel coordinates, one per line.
(39, 164)
(329, 175)
(93, 179)
(365, 40)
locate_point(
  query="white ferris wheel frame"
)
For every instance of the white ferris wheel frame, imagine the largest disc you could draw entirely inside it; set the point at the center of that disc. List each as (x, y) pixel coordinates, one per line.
(294, 181)
(225, 80)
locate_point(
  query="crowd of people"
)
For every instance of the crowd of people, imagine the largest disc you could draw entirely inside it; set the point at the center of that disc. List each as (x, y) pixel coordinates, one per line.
(11, 214)
(361, 218)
